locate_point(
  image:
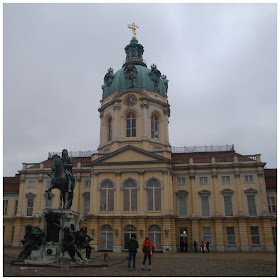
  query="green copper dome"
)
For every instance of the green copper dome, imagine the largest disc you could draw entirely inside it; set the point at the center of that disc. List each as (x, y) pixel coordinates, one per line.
(134, 74)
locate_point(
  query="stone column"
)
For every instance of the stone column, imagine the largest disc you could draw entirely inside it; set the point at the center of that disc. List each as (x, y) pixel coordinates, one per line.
(101, 129)
(268, 235)
(217, 212)
(40, 198)
(240, 195)
(195, 233)
(117, 235)
(166, 115)
(219, 236)
(166, 197)
(145, 106)
(194, 195)
(115, 131)
(76, 195)
(170, 193)
(263, 197)
(141, 193)
(244, 246)
(118, 198)
(94, 202)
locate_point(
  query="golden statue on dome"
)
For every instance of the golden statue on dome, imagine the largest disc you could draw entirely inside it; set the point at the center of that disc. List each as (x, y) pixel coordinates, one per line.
(133, 28)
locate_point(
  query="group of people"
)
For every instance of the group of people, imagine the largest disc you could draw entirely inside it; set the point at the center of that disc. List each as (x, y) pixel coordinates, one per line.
(147, 248)
(202, 245)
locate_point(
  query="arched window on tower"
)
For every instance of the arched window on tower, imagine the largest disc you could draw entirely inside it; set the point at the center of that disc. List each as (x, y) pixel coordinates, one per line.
(131, 126)
(110, 129)
(154, 127)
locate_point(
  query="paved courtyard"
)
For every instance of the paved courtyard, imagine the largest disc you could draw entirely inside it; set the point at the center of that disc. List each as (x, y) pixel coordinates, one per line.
(179, 264)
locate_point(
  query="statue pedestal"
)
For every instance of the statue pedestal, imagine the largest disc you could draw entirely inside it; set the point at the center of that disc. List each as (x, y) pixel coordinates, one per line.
(50, 250)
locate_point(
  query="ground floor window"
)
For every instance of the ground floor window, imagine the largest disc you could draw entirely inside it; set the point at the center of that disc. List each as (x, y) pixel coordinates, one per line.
(128, 231)
(255, 238)
(230, 236)
(206, 231)
(106, 238)
(154, 234)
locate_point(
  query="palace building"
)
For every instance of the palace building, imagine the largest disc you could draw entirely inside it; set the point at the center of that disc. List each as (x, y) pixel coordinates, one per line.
(136, 183)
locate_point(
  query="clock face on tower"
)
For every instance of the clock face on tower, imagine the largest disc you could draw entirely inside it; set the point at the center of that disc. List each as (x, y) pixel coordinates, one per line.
(130, 100)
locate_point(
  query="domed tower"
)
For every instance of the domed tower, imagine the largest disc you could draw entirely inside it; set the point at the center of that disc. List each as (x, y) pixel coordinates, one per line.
(134, 107)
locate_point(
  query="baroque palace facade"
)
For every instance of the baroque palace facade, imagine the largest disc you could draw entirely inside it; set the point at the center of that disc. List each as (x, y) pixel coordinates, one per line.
(136, 183)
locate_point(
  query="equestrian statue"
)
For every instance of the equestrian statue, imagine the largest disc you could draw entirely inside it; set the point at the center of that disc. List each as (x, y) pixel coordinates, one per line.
(62, 178)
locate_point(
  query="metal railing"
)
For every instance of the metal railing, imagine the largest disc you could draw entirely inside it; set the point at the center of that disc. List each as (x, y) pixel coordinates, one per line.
(203, 149)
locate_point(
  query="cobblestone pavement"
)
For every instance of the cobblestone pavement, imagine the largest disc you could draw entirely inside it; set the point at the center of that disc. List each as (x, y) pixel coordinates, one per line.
(179, 264)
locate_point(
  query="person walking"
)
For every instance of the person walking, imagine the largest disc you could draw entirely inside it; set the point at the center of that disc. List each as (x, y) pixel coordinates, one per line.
(148, 248)
(132, 245)
(207, 246)
(202, 246)
(195, 246)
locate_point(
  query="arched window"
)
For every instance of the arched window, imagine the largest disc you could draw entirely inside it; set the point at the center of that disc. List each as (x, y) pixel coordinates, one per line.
(129, 196)
(153, 189)
(154, 127)
(106, 196)
(109, 129)
(154, 234)
(106, 238)
(128, 231)
(131, 126)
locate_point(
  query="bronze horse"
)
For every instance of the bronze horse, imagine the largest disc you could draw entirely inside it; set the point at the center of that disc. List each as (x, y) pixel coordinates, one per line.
(60, 181)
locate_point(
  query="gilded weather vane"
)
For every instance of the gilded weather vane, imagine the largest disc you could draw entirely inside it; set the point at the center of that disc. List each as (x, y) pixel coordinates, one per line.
(133, 28)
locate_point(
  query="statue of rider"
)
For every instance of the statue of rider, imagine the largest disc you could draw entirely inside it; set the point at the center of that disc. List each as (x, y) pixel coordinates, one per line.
(68, 164)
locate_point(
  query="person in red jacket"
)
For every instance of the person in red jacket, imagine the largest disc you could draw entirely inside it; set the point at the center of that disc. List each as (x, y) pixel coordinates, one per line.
(148, 248)
(202, 246)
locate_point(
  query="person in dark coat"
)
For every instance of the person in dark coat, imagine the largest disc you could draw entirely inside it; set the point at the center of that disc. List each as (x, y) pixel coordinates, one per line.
(132, 245)
(195, 246)
(207, 246)
(148, 248)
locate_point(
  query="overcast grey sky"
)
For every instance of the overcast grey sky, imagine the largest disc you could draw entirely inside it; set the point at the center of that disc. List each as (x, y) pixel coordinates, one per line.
(220, 60)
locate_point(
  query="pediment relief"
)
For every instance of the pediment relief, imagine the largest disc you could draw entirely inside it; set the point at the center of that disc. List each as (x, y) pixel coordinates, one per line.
(227, 191)
(250, 190)
(30, 194)
(181, 193)
(86, 194)
(204, 192)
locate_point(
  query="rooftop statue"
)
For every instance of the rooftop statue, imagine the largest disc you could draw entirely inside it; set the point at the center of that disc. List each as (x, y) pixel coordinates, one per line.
(62, 178)
(33, 239)
(133, 27)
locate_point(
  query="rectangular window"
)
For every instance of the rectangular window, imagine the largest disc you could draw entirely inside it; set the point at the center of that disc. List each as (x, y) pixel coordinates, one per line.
(271, 204)
(230, 236)
(252, 207)
(181, 181)
(5, 207)
(29, 206)
(106, 200)
(86, 205)
(153, 199)
(225, 179)
(255, 238)
(206, 231)
(205, 207)
(248, 178)
(87, 183)
(228, 205)
(182, 206)
(130, 200)
(203, 180)
(16, 207)
(31, 184)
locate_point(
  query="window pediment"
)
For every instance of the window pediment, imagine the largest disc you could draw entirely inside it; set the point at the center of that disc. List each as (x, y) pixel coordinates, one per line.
(204, 192)
(227, 191)
(30, 195)
(181, 193)
(250, 191)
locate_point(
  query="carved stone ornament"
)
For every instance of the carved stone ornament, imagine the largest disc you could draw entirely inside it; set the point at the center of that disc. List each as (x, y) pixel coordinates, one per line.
(130, 72)
(155, 75)
(109, 76)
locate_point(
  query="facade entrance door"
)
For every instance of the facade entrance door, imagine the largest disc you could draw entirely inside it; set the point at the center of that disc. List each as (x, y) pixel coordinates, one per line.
(106, 238)
(128, 231)
(184, 240)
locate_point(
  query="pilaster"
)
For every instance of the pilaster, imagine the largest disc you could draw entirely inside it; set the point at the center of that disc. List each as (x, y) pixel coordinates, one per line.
(219, 236)
(244, 246)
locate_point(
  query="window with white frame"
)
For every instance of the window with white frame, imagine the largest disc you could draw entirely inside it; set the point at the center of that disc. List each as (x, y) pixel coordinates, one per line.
(271, 204)
(203, 180)
(182, 205)
(16, 207)
(206, 231)
(86, 204)
(131, 125)
(251, 203)
(87, 183)
(153, 190)
(31, 184)
(107, 196)
(248, 178)
(205, 205)
(29, 206)
(5, 207)
(225, 179)
(228, 207)
(181, 180)
(154, 127)
(129, 196)
(255, 238)
(230, 235)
